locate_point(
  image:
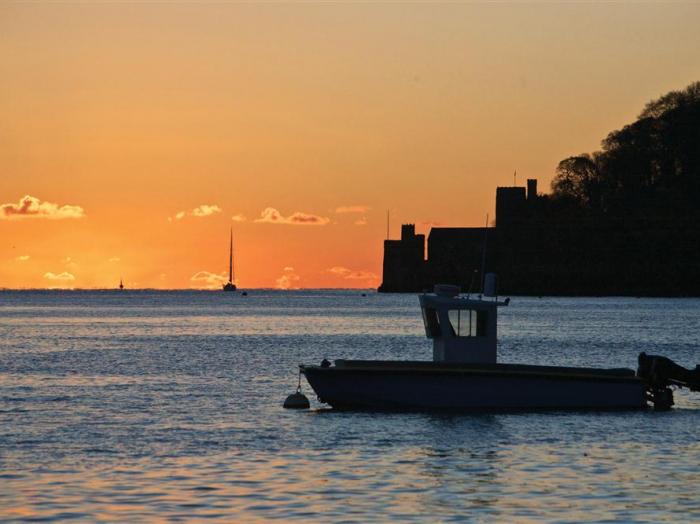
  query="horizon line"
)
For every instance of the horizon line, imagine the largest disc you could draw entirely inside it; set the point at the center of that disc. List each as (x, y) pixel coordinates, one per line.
(181, 289)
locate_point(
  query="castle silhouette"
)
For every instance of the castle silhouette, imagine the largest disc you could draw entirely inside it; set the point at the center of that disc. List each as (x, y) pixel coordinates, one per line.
(538, 248)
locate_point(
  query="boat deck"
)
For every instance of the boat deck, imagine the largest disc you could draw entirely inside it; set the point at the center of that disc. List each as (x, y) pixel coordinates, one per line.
(445, 368)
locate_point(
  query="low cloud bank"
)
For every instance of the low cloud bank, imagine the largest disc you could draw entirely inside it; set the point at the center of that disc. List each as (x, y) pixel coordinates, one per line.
(350, 274)
(271, 216)
(204, 210)
(31, 207)
(288, 280)
(59, 277)
(208, 280)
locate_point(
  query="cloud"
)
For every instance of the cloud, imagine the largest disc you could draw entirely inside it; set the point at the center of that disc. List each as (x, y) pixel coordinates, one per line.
(352, 209)
(114, 259)
(429, 223)
(271, 216)
(60, 277)
(361, 221)
(288, 279)
(349, 274)
(204, 210)
(238, 218)
(22, 258)
(32, 207)
(209, 280)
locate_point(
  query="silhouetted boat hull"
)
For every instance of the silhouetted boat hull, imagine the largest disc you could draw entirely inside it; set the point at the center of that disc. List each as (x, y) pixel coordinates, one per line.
(229, 287)
(417, 386)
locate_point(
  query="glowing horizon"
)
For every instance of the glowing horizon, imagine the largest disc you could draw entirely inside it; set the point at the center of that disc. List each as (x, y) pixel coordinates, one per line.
(134, 136)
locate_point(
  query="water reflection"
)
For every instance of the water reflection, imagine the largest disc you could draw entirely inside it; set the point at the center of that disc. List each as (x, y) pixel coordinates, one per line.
(168, 407)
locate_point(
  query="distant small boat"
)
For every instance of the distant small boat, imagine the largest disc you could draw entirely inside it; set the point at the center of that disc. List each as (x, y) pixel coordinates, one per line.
(121, 283)
(230, 286)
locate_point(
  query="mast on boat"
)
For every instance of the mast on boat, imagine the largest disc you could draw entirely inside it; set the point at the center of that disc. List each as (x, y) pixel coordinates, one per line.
(230, 286)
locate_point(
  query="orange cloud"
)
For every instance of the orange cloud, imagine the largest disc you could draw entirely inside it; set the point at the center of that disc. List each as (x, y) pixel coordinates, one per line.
(204, 210)
(361, 221)
(429, 223)
(288, 279)
(271, 216)
(238, 218)
(349, 274)
(209, 280)
(352, 209)
(60, 277)
(31, 207)
(22, 258)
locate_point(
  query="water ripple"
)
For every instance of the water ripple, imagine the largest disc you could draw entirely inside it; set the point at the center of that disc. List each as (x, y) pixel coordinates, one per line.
(166, 406)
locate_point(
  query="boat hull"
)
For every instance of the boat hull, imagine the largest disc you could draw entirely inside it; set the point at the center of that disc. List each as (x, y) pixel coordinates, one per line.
(428, 386)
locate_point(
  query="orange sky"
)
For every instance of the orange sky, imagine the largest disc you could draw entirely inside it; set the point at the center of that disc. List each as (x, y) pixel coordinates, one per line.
(135, 113)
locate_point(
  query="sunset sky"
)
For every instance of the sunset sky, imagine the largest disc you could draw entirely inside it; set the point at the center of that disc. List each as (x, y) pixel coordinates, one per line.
(132, 136)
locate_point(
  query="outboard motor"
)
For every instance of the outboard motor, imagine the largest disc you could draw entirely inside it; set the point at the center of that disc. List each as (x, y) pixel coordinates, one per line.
(660, 373)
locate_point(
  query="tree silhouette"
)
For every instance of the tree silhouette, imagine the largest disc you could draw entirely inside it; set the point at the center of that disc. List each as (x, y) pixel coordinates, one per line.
(578, 179)
(651, 164)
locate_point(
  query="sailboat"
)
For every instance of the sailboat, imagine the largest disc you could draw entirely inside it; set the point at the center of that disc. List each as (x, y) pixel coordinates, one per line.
(121, 283)
(230, 286)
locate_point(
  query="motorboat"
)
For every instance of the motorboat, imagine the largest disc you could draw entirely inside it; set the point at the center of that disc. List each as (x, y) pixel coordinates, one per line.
(464, 374)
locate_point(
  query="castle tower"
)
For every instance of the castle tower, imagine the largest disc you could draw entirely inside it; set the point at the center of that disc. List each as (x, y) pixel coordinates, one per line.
(531, 189)
(404, 262)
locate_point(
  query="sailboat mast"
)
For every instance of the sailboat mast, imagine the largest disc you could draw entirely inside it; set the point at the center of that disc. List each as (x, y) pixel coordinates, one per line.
(230, 259)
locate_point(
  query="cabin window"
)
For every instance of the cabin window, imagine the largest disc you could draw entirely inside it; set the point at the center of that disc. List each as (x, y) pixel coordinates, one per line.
(481, 323)
(468, 323)
(432, 326)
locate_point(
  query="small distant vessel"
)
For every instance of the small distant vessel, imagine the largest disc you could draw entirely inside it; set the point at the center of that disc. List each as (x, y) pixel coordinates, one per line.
(230, 286)
(121, 283)
(464, 374)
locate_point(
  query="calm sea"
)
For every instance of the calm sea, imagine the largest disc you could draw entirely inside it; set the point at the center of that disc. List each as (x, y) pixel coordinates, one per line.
(141, 406)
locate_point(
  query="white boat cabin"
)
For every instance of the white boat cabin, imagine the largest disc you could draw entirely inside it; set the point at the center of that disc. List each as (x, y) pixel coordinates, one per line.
(463, 329)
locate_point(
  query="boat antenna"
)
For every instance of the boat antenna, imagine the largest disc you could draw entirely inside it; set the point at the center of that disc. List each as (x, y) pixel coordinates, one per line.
(483, 255)
(230, 259)
(514, 175)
